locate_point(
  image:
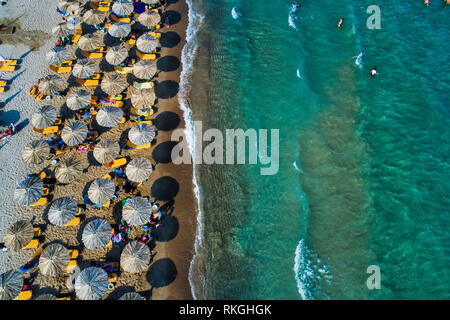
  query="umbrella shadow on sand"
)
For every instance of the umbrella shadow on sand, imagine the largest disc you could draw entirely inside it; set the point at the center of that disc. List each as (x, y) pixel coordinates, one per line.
(168, 229)
(166, 121)
(161, 273)
(119, 291)
(169, 39)
(168, 63)
(166, 89)
(165, 188)
(163, 152)
(174, 16)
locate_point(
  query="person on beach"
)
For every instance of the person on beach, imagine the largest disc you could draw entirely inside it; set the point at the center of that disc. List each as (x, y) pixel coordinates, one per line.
(373, 72)
(3, 247)
(167, 21)
(340, 23)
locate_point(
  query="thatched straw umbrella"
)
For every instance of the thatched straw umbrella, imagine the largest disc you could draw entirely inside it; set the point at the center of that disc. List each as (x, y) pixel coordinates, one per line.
(29, 190)
(46, 296)
(62, 211)
(79, 100)
(123, 7)
(131, 296)
(94, 17)
(57, 55)
(44, 117)
(149, 18)
(139, 169)
(141, 134)
(119, 30)
(106, 151)
(97, 234)
(101, 191)
(51, 84)
(62, 30)
(113, 83)
(135, 257)
(150, 1)
(84, 69)
(54, 259)
(147, 43)
(109, 116)
(145, 69)
(137, 211)
(142, 98)
(36, 152)
(69, 5)
(91, 284)
(74, 133)
(19, 235)
(89, 42)
(68, 170)
(11, 283)
(116, 55)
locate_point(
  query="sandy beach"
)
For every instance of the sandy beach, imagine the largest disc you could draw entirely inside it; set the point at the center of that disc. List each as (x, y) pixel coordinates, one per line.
(167, 275)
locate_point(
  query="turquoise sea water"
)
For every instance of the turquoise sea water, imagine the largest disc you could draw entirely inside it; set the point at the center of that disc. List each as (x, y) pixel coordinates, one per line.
(364, 172)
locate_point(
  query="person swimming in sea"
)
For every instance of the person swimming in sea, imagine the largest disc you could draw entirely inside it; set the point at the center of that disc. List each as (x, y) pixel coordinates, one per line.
(373, 72)
(358, 57)
(340, 23)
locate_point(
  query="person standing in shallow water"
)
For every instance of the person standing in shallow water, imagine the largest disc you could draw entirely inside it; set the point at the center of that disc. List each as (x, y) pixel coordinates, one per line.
(373, 72)
(340, 23)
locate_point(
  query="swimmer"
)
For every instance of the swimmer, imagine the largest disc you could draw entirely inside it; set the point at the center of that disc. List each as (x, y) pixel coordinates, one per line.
(359, 56)
(373, 72)
(426, 2)
(340, 23)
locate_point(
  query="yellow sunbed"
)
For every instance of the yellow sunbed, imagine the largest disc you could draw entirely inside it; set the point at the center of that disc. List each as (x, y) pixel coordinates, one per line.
(73, 254)
(37, 232)
(42, 201)
(9, 62)
(32, 244)
(7, 68)
(2, 89)
(146, 56)
(112, 277)
(59, 69)
(42, 175)
(71, 265)
(132, 145)
(48, 130)
(116, 163)
(88, 82)
(92, 55)
(135, 111)
(64, 298)
(101, 6)
(132, 41)
(73, 222)
(24, 295)
(120, 19)
(3, 83)
(46, 191)
(77, 36)
(157, 35)
(67, 148)
(106, 176)
(109, 244)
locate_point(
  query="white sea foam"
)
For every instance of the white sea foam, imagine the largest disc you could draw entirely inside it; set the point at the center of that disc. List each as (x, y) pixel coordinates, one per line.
(298, 74)
(291, 21)
(296, 166)
(187, 59)
(235, 13)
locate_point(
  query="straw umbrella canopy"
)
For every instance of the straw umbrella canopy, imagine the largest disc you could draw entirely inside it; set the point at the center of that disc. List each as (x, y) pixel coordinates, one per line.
(101, 191)
(106, 151)
(135, 257)
(131, 296)
(19, 235)
(97, 234)
(51, 84)
(137, 211)
(141, 134)
(57, 55)
(84, 69)
(123, 7)
(54, 259)
(36, 152)
(94, 17)
(46, 296)
(44, 117)
(78, 100)
(147, 43)
(62, 211)
(142, 98)
(139, 169)
(89, 42)
(11, 283)
(69, 5)
(119, 29)
(150, 1)
(145, 69)
(116, 55)
(68, 170)
(74, 133)
(109, 116)
(91, 284)
(113, 83)
(149, 18)
(62, 30)
(29, 190)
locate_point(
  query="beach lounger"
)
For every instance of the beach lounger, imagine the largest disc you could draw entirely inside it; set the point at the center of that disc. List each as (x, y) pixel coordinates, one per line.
(106, 205)
(116, 163)
(32, 91)
(65, 298)
(71, 265)
(9, 62)
(109, 244)
(24, 295)
(157, 35)
(92, 55)
(132, 41)
(46, 191)
(143, 121)
(37, 232)
(32, 244)
(3, 83)
(60, 69)
(120, 19)
(74, 222)
(107, 176)
(112, 277)
(132, 145)
(145, 114)
(88, 82)
(42, 201)
(39, 96)
(58, 121)
(77, 35)
(48, 130)
(58, 152)
(117, 97)
(42, 175)
(7, 68)
(101, 6)
(146, 56)
(144, 85)
(2, 89)
(73, 254)
(123, 70)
